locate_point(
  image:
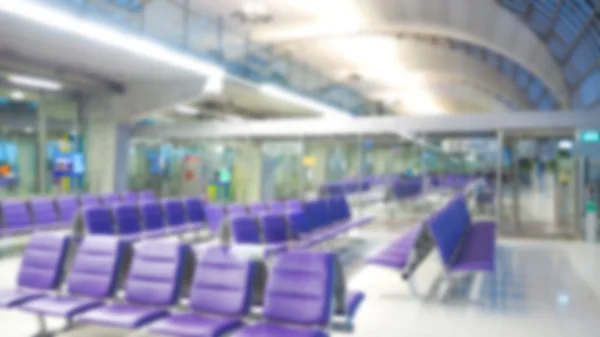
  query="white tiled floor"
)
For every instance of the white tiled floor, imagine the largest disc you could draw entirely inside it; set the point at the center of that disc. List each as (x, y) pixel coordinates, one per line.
(540, 288)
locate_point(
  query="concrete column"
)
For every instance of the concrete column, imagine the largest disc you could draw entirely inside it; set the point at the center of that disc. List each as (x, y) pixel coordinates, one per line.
(247, 172)
(42, 122)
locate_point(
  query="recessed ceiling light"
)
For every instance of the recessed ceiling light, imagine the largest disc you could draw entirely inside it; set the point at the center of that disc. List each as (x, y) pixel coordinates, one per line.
(34, 82)
(186, 109)
(17, 95)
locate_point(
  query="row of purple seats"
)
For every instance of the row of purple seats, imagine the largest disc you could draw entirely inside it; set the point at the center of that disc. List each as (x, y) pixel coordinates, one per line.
(135, 221)
(303, 225)
(23, 216)
(406, 188)
(451, 181)
(462, 246)
(216, 215)
(300, 297)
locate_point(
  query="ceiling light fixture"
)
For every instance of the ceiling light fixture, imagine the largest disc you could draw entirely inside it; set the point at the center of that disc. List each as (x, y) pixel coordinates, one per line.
(100, 33)
(17, 95)
(325, 110)
(34, 82)
(186, 110)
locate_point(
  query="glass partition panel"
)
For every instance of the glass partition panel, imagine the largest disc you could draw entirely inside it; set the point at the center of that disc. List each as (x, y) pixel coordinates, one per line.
(282, 169)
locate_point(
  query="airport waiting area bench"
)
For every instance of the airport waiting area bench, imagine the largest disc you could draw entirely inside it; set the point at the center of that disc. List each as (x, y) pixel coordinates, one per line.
(21, 217)
(301, 296)
(463, 246)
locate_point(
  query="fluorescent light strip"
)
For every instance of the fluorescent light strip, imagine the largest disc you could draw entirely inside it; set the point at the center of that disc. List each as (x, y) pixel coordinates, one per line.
(63, 21)
(325, 110)
(186, 109)
(34, 82)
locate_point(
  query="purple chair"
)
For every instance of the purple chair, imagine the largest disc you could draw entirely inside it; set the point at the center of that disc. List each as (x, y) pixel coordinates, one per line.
(41, 269)
(235, 209)
(153, 219)
(274, 228)
(220, 295)
(257, 208)
(68, 207)
(298, 298)
(111, 199)
(93, 277)
(215, 214)
(152, 285)
(45, 215)
(277, 206)
(15, 218)
(293, 205)
(98, 220)
(88, 200)
(245, 229)
(129, 197)
(175, 216)
(146, 195)
(128, 222)
(195, 212)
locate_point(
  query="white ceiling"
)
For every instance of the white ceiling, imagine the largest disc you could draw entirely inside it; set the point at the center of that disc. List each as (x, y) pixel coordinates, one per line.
(338, 36)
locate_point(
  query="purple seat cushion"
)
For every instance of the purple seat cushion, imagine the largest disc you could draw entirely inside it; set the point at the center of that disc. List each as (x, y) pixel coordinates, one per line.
(272, 330)
(64, 306)
(10, 298)
(123, 315)
(194, 325)
(477, 251)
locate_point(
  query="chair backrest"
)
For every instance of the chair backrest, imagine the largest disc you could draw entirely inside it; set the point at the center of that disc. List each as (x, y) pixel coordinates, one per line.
(194, 209)
(257, 208)
(174, 212)
(67, 206)
(298, 222)
(15, 215)
(341, 208)
(293, 205)
(155, 273)
(127, 218)
(244, 229)
(300, 288)
(89, 200)
(129, 196)
(111, 199)
(274, 227)
(235, 209)
(96, 266)
(277, 206)
(214, 216)
(222, 283)
(98, 220)
(447, 230)
(43, 211)
(152, 215)
(317, 213)
(43, 261)
(146, 195)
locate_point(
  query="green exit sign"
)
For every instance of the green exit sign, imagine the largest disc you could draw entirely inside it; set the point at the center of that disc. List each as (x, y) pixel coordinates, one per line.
(590, 136)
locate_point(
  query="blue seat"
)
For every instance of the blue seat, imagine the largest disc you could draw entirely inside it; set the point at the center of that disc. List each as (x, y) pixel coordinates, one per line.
(128, 221)
(299, 297)
(175, 215)
(87, 200)
(67, 207)
(92, 278)
(41, 269)
(152, 285)
(153, 219)
(195, 212)
(220, 296)
(98, 220)
(45, 215)
(215, 215)
(15, 217)
(245, 229)
(463, 246)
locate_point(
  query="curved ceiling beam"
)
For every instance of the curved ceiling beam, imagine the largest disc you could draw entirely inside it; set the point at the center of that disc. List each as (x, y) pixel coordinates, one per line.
(483, 23)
